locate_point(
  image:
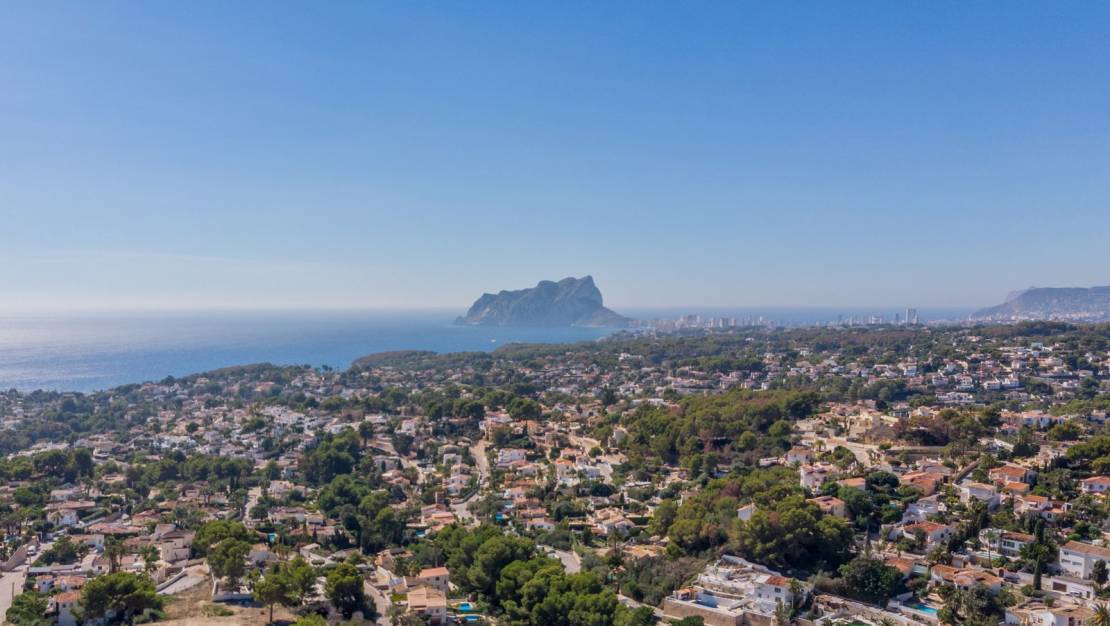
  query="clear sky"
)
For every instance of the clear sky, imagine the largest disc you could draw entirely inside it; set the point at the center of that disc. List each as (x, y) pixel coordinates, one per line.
(409, 154)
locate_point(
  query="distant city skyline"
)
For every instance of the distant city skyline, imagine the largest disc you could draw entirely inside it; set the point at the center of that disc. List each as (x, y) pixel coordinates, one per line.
(397, 156)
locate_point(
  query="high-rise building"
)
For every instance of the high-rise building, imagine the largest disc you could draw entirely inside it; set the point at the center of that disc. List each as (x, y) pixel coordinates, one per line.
(911, 316)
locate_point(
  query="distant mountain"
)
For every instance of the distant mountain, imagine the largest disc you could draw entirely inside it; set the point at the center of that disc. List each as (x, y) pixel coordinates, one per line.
(1052, 303)
(569, 302)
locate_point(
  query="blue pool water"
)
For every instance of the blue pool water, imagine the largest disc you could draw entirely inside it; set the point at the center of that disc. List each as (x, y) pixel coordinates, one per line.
(924, 608)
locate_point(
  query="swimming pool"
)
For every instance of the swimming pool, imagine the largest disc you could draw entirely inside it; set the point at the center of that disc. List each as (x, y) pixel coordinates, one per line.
(465, 607)
(924, 608)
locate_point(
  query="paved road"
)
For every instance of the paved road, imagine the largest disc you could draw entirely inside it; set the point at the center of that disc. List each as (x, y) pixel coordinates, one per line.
(386, 446)
(632, 604)
(570, 560)
(478, 450)
(462, 511)
(11, 585)
(862, 451)
(381, 603)
(254, 494)
(184, 584)
(461, 508)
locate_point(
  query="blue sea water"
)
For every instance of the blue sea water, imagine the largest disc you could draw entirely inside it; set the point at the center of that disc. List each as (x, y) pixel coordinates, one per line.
(97, 351)
(86, 352)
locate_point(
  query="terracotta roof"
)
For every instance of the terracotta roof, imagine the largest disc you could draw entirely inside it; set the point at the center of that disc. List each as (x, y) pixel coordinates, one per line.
(1009, 470)
(68, 596)
(1086, 548)
(423, 598)
(929, 527)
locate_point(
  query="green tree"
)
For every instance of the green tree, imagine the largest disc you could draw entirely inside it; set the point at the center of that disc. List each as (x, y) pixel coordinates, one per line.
(121, 595)
(312, 619)
(1098, 573)
(492, 557)
(971, 607)
(1101, 616)
(28, 609)
(365, 432)
(344, 589)
(302, 578)
(150, 556)
(871, 579)
(524, 409)
(276, 587)
(114, 550)
(639, 616)
(63, 551)
(212, 533)
(229, 560)
(1066, 431)
(1039, 552)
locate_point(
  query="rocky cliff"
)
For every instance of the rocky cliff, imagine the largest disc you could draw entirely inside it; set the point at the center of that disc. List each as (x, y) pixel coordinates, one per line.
(569, 302)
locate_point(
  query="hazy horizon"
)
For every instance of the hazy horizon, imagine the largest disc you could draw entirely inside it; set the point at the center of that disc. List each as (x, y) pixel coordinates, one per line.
(399, 156)
(629, 310)
(71, 351)
(163, 304)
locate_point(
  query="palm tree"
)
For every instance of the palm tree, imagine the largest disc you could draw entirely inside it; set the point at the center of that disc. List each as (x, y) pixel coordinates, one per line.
(150, 558)
(1101, 616)
(991, 535)
(114, 551)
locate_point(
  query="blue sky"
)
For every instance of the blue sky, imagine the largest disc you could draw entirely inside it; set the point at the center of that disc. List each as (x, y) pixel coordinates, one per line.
(416, 154)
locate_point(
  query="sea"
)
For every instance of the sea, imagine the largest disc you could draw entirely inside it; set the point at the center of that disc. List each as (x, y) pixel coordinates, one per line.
(93, 351)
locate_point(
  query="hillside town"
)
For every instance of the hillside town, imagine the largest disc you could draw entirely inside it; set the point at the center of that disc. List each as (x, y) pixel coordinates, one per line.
(727, 476)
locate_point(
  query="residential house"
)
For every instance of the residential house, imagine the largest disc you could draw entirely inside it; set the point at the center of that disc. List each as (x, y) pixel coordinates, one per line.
(982, 492)
(799, 455)
(64, 605)
(1004, 542)
(926, 482)
(813, 477)
(1035, 613)
(934, 533)
(745, 512)
(1078, 559)
(1096, 485)
(831, 505)
(965, 579)
(1011, 473)
(921, 509)
(435, 577)
(429, 603)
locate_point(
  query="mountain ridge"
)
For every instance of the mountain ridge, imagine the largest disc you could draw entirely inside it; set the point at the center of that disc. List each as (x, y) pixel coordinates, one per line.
(1050, 303)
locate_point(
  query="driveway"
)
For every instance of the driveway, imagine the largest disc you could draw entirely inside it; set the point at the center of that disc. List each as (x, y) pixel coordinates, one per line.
(11, 585)
(381, 603)
(570, 560)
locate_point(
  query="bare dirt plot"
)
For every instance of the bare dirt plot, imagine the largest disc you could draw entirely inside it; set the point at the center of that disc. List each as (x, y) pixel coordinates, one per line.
(194, 608)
